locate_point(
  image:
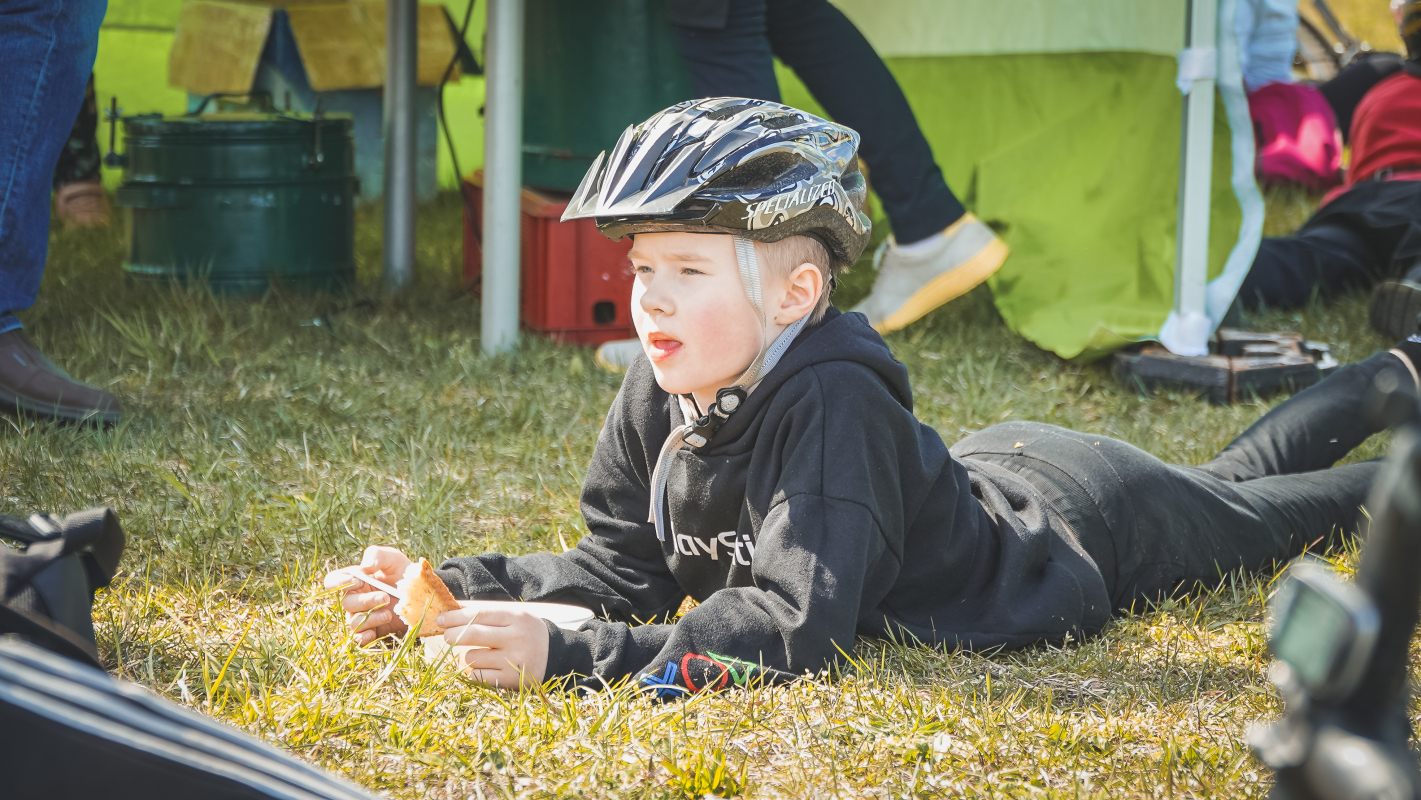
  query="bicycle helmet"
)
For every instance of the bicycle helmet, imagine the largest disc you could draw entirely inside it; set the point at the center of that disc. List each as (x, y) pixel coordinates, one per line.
(750, 168)
(756, 170)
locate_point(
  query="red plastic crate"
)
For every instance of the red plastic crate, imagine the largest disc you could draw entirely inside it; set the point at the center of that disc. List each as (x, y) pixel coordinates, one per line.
(576, 284)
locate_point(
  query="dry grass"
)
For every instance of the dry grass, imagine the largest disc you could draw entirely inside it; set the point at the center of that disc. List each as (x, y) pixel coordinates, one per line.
(268, 440)
(1155, 705)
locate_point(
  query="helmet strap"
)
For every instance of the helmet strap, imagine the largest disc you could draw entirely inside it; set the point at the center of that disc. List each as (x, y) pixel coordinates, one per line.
(770, 351)
(749, 263)
(704, 424)
(704, 427)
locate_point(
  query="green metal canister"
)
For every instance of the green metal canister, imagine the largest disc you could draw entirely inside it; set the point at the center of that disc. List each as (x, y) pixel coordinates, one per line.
(590, 70)
(241, 199)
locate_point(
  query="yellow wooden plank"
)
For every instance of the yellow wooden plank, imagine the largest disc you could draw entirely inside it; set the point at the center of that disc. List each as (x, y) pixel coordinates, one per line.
(436, 45)
(216, 46)
(342, 45)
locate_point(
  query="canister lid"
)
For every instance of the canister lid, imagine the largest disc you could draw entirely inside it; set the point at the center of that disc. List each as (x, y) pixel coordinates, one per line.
(241, 124)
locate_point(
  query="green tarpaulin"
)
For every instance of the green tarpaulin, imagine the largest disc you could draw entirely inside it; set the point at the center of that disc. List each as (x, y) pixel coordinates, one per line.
(996, 27)
(1075, 158)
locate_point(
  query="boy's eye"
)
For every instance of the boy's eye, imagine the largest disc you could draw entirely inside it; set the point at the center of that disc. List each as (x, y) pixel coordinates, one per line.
(690, 271)
(641, 268)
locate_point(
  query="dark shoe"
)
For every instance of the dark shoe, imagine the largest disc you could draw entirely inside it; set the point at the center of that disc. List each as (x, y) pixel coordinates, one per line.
(1394, 307)
(32, 384)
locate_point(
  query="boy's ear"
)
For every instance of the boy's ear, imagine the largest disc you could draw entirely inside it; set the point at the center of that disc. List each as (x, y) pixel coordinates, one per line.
(802, 289)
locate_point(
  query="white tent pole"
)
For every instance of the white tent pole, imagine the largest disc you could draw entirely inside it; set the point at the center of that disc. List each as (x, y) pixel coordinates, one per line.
(1224, 287)
(1195, 170)
(401, 46)
(503, 161)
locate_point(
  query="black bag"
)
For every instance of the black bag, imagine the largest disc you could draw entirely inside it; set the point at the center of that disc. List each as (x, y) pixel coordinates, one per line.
(47, 589)
(70, 730)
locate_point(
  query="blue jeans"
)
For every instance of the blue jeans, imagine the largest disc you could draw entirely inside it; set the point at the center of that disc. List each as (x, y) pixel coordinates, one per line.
(47, 54)
(730, 47)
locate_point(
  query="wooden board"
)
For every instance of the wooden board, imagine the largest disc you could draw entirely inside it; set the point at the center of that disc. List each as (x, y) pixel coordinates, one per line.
(217, 46)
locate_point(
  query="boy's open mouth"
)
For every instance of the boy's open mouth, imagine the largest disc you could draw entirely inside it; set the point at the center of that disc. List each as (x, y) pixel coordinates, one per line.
(660, 347)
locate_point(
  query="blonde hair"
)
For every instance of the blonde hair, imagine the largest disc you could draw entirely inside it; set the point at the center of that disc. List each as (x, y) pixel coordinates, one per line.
(782, 257)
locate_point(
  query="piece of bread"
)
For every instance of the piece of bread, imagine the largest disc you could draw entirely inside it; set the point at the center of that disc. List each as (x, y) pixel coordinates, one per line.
(426, 597)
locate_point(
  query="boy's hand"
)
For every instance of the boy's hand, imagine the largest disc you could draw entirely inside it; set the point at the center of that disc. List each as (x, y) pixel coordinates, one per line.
(370, 612)
(513, 645)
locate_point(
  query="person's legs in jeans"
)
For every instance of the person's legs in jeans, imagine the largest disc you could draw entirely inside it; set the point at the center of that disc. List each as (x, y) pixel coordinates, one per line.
(842, 71)
(727, 54)
(46, 60)
(1368, 234)
(938, 251)
(846, 76)
(47, 57)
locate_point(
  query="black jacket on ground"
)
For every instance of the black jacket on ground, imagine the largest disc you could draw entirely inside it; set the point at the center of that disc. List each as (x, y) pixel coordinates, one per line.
(823, 510)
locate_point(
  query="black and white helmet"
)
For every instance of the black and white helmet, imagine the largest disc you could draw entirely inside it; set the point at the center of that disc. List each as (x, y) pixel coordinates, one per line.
(758, 170)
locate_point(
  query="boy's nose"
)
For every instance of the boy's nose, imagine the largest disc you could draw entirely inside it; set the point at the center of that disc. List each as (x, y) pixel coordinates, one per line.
(654, 300)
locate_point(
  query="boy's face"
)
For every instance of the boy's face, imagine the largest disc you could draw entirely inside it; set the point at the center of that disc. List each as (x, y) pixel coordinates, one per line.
(695, 323)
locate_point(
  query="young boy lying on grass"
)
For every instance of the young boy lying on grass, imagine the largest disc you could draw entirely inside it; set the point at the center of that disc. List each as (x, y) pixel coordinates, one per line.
(764, 459)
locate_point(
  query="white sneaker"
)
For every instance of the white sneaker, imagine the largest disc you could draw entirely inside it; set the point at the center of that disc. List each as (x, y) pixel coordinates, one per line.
(618, 355)
(909, 285)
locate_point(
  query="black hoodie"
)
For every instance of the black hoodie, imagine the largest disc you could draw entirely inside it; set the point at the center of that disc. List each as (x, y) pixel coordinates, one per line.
(822, 510)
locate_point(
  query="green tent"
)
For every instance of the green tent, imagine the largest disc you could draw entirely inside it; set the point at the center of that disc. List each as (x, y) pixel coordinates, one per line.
(1058, 122)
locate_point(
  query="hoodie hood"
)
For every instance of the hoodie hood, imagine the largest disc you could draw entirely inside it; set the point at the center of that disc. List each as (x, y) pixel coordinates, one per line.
(839, 336)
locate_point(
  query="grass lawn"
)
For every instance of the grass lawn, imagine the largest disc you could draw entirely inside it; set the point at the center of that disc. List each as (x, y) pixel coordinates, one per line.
(266, 441)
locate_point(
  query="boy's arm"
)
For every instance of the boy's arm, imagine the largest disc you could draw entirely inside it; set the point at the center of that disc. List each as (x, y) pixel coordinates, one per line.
(617, 569)
(605, 574)
(800, 616)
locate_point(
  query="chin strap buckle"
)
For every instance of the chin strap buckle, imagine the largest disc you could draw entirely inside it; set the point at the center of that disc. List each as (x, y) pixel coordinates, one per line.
(704, 429)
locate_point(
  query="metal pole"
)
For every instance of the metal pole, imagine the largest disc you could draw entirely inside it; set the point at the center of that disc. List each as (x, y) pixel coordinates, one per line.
(503, 174)
(401, 59)
(1196, 157)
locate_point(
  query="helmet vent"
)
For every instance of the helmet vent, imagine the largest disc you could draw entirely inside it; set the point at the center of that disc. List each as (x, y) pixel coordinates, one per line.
(757, 174)
(781, 121)
(725, 112)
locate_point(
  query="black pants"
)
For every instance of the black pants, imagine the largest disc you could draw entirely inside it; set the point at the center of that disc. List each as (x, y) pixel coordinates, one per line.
(1153, 528)
(730, 45)
(79, 160)
(1371, 232)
